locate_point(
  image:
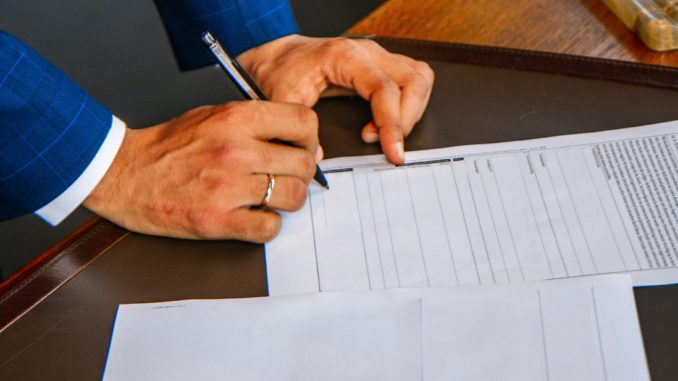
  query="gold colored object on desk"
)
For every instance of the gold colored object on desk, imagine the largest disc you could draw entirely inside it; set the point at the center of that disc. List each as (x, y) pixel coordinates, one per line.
(654, 21)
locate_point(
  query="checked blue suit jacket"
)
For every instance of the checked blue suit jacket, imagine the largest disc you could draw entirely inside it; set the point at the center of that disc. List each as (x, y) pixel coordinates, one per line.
(50, 129)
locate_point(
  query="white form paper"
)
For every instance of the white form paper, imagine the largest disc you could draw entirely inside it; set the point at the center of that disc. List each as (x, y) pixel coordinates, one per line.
(287, 338)
(559, 207)
(574, 329)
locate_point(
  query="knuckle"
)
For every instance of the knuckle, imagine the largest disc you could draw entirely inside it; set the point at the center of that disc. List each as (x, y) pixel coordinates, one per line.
(298, 192)
(386, 85)
(425, 69)
(226, 110)
(417, 81)
(342, 48)
(302, 114)
(370, 43)
(265, 158)
(312, 121)
(231, 114)
(269, 227)
(197, 111)
(340, 41)
(307, 166)
(307, 119)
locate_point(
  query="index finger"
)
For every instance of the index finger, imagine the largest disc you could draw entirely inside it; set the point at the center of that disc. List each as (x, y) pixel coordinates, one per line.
(385, 104)
(384, 95)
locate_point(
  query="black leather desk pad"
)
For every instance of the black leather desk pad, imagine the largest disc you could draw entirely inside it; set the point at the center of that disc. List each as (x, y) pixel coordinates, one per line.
(66, 335)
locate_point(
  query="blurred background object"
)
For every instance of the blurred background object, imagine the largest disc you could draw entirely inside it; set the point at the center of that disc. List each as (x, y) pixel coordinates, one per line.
(654, 21)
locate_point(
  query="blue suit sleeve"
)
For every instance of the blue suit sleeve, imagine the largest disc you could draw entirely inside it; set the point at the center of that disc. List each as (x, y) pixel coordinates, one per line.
(50, 129)
(238, 24)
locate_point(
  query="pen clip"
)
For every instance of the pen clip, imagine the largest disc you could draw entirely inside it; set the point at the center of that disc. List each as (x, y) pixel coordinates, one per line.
(243, 81)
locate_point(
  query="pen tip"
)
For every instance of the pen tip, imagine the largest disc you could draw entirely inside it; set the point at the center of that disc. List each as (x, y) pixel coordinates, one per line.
(326, 186)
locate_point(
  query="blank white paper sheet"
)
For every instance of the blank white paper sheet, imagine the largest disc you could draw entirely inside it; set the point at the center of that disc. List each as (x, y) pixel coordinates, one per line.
(286, 338)
(559, 207)
(573, 329)
(562, 330)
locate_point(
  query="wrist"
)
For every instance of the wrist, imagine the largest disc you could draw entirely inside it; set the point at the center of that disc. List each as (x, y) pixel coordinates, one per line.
(111, 189)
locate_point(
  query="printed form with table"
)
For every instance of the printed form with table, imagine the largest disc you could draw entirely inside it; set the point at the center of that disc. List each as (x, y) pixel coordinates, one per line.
(506, 261)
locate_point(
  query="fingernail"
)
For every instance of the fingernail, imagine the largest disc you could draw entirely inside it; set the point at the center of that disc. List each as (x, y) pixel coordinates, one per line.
(319, 153)
(400, 151)
(371, 137)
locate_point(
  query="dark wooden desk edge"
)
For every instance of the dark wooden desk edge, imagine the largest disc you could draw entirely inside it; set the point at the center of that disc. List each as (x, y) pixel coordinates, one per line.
(54, 267)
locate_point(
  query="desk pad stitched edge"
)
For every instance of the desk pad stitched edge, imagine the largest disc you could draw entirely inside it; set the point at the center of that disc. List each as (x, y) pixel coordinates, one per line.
(34, 286)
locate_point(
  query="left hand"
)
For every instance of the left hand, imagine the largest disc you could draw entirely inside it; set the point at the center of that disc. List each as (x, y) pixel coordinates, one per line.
(300, 69)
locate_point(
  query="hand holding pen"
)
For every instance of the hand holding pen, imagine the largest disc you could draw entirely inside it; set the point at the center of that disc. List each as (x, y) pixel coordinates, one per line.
(250, 91)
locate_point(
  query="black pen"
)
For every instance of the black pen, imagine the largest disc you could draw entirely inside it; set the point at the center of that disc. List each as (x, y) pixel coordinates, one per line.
(245, 84)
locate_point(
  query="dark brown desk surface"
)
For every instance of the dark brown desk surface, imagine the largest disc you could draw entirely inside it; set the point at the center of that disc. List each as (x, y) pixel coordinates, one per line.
(66, 334)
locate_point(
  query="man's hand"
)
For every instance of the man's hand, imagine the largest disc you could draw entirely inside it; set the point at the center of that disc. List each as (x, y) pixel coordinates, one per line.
(198, 175)
(300, 69)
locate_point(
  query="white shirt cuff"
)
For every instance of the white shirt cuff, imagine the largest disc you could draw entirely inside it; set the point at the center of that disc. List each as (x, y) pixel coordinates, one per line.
(59, 208)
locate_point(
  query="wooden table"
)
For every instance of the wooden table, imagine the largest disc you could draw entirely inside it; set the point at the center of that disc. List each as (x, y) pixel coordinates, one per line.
(581, 27)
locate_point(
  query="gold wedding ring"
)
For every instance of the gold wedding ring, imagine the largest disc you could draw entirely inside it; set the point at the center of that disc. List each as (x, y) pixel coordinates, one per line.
(269, 190)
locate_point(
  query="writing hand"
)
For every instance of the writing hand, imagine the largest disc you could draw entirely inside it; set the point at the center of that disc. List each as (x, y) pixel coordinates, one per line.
(300, 69)
(197, 176)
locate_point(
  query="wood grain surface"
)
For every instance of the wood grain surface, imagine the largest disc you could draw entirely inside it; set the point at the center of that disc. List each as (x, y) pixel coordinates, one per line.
(580, 27)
